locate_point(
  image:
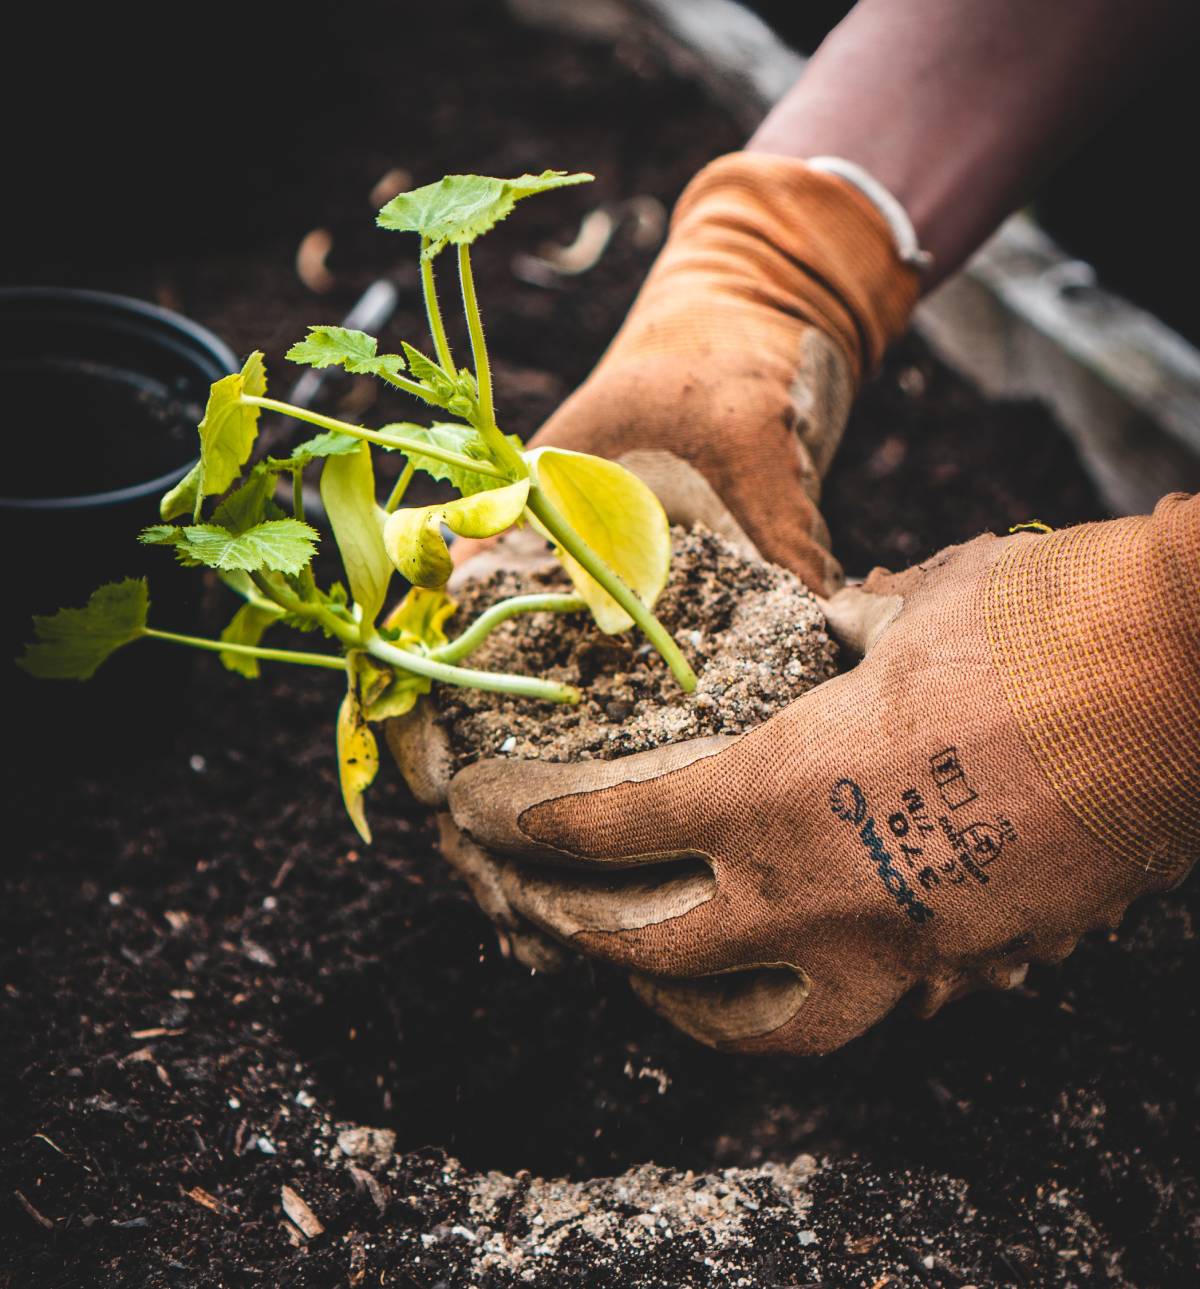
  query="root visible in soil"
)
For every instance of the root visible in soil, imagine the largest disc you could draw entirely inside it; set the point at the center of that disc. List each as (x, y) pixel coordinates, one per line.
(751, 630)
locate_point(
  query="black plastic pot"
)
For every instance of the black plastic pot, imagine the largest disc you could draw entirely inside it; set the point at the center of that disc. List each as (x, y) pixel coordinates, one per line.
(101, 397)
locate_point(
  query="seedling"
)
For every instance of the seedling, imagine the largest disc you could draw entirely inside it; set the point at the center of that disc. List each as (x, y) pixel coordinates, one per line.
(605, 525)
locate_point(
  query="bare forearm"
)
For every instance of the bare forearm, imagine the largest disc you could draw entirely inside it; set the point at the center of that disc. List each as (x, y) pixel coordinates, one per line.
(958, 106)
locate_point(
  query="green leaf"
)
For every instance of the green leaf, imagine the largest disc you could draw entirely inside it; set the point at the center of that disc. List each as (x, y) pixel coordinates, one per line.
(227, 435)
(357, 753)
(247, 628)
(618, 516)
(455, 438)
(181, 499)
(348, 493)
(72, 643)
(246, 506)
(328, 444)
(459, 208)
(284, 545)
(424, 369)
(413, 536)
(342, 347)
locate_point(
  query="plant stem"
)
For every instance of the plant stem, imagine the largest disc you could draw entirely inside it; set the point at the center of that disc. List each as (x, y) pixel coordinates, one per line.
(252, 651)
(394, 442)
(490, 619)
(556, 524)
(298, 494)
(494, 681)
(397, 493)
(502, 450)
(346, 632)
(441, 346)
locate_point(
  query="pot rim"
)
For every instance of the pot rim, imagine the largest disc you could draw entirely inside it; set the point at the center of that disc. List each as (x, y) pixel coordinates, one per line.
(164, 326)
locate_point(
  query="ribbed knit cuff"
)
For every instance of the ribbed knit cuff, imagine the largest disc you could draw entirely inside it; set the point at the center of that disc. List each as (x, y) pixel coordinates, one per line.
(1095, 632)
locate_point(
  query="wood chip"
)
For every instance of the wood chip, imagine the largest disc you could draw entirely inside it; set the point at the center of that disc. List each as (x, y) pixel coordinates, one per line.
(156, 1031)
(40, 1218)
(863, 1244)
(203, 1198)
(363, 1180)
(883, 1280)
(300, 1213)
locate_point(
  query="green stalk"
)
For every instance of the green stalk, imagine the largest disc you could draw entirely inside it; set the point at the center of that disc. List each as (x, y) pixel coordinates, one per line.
(555, 523)
(397, 493)
(502, 450)
(394, 442)
(490, 619)
(493, 681)
(433, 312)
(346, 632)
(251, 651)
(298, 494)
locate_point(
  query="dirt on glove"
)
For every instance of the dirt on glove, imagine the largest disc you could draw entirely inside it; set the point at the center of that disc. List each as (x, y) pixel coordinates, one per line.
(752, 632)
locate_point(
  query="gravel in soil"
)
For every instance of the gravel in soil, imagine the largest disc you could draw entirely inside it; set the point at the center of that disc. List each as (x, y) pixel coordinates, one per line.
(206, 982)
(752, 633)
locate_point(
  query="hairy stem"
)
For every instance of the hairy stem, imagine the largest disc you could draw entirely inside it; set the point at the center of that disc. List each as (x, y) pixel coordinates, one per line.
(502, 450)
(397, 494)
(394, 442)
(490, 619)
(346, 632)
(334, 663)
(298, 494)
(494, 681)
(556, 524)
(433, 312)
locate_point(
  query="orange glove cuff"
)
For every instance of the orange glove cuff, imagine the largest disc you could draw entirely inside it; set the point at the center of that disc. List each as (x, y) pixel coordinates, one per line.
(1104, 620)
(796, 245)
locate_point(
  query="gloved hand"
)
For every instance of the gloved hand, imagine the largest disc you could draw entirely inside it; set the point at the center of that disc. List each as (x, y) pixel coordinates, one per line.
(1015, 759)
(777, 291)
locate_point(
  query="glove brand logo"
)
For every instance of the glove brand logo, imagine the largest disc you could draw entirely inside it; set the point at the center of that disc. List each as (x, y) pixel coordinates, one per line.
(849, 804)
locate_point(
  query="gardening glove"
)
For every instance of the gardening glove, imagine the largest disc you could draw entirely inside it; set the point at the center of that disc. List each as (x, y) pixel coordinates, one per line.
(1014, 760)
(776, 293)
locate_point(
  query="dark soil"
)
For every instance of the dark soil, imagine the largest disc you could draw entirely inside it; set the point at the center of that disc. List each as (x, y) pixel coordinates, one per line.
(752, 633)
(204, 977)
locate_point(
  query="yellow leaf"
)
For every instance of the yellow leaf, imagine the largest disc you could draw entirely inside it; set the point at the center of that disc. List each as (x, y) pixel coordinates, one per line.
(421, 617)
(348, 494)
(618, 516)
(358, 757)
(413, 536)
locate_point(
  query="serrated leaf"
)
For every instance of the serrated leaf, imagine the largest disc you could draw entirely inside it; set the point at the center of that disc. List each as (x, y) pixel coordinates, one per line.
(72, 643)
(282, 545)
(420, 618)
(247, 628)
(328, 444)
(455, 438)
(459, 208)
(227, 435)
(344, 347)
(618, 516)
(348, 494)
(413, 537)
(428, 372)
(358, 755)
(246, 505)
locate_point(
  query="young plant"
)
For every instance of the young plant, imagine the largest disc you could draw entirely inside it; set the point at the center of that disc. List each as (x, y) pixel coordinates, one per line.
(605, 525)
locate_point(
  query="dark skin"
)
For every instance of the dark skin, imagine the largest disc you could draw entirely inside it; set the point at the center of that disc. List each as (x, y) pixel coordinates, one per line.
(958, 107)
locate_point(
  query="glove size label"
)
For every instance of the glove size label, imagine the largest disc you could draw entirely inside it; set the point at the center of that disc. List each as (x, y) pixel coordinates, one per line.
(921, 835)
(849, 804)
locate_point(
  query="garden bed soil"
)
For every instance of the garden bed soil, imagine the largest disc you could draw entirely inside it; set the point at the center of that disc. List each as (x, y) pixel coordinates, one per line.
(752, 633)
(206, 981)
